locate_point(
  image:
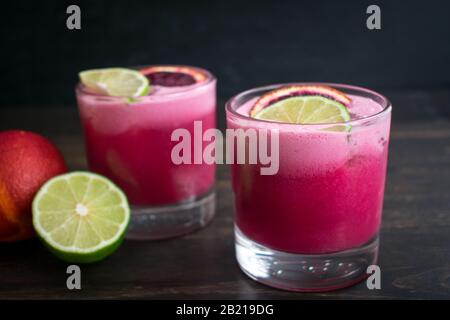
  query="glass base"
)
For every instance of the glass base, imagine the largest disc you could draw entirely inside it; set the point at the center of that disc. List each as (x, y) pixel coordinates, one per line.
(154, 223)
(305, 273)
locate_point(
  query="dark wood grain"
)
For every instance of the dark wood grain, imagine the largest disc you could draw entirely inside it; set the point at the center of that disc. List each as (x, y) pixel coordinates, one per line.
(415, 234)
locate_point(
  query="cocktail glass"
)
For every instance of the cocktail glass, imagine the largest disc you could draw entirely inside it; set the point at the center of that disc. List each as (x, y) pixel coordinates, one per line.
(130, 142)
(314, 225)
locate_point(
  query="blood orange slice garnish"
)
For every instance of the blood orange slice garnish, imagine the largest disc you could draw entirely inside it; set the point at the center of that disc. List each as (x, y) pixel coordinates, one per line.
(173, 76)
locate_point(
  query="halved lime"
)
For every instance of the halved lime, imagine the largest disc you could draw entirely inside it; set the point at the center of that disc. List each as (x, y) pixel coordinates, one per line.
(306, 110)
(120, 82)
(81, 217)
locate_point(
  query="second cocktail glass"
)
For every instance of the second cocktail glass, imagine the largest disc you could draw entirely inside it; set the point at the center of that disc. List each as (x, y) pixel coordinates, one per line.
(312, 226)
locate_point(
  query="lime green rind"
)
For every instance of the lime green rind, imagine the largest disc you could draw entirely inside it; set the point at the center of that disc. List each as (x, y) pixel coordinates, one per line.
(86, 258)
(146, 90)
(77, 255)
(130, 100)
(339, 128)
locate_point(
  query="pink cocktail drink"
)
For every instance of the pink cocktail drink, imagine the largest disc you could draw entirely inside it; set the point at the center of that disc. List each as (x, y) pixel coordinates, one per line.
(129, 141)
(327, 195)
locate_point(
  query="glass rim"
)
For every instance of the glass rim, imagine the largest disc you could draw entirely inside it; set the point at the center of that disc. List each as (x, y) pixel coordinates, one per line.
(386, 104)
(80, 88)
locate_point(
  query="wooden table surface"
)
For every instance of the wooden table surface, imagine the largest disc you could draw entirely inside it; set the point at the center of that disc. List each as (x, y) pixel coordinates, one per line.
(415, 234)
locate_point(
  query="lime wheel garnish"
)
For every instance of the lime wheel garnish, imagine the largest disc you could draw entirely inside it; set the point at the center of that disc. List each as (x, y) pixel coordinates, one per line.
(286, 92)
(117, 82)
(304, 105)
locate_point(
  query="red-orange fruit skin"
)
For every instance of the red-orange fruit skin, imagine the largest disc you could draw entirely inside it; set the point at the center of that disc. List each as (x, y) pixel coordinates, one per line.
(27, 161)
(196, 74)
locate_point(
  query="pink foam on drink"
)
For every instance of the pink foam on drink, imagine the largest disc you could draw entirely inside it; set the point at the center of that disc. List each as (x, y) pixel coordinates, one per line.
(327, 195)
(130, 143)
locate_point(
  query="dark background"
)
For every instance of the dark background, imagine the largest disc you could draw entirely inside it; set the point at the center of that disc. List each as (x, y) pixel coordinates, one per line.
(244, 43)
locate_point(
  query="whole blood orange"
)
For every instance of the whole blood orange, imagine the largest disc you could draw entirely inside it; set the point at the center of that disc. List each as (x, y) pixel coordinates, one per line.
(27, 161)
